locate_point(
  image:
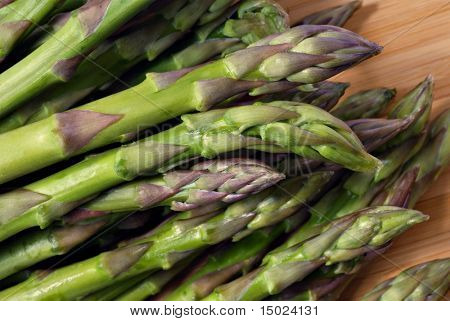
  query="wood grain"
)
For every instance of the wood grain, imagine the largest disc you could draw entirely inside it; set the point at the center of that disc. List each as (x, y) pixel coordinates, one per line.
(415, 36)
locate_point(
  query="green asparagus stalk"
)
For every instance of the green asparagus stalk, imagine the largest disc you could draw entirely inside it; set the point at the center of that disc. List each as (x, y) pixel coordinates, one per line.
(423, 169)
(303, 54)
(140, 287)
(227, 261)
(240, 26)
(336, 16)
(416, 104)
(364, 104)
(355, 193)
(212, 183)
(324, 95)
(280, 202)
(40, 245)
(151, 285)
(19, 18)
(341, 240)
(373, 133)
(299, 128)
(110, 61)
(328, 282)
(429, 281)
(56, 60)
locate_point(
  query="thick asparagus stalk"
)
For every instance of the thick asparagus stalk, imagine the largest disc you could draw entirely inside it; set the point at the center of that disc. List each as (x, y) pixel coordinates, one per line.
(57, 59)
(328, 282)
(110, 61)
(205, 184)
(140, 287)
(336, 16)
(341, 240)
(299, 128)
(303, 54)
(151, 285)
(364, 104)
(19, 18)
(429, 281)
(227, 261)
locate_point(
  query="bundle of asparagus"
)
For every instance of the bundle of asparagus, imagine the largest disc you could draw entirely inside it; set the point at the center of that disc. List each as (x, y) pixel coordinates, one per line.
(198, 222)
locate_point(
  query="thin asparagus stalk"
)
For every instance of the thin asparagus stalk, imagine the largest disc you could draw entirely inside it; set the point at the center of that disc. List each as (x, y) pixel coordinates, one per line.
(56, 60)
(341, 240)
(227, 261)
(302, 129)
(280, 202)
(324, 95)
(212, 183)
(336, 16)
(416, 104)
(240, 26)
(304, 54)
(429, 281)
(423, 169)
(364, 104)
(110, 61)
(19, 18)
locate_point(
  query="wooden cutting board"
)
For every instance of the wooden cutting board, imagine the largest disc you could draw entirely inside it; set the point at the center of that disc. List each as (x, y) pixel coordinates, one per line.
(416, 39)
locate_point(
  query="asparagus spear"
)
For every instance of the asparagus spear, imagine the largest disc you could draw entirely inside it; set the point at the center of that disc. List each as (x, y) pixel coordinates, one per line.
(324, 95)
(341, 240)
(416, 104)
(227, 261)
(303, 54)
(427, 281)
(240, 26)
(19, 18)
(109, 62)
(300, 128)
(328, 282)
(205, 184)
(423, 169)
(280, 202)
(140, 287)
(57, 60)
(336, 16)
(364, 104)
(151, 285)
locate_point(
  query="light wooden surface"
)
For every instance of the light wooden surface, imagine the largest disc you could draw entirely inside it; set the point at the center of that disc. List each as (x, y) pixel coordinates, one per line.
(416, 39)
